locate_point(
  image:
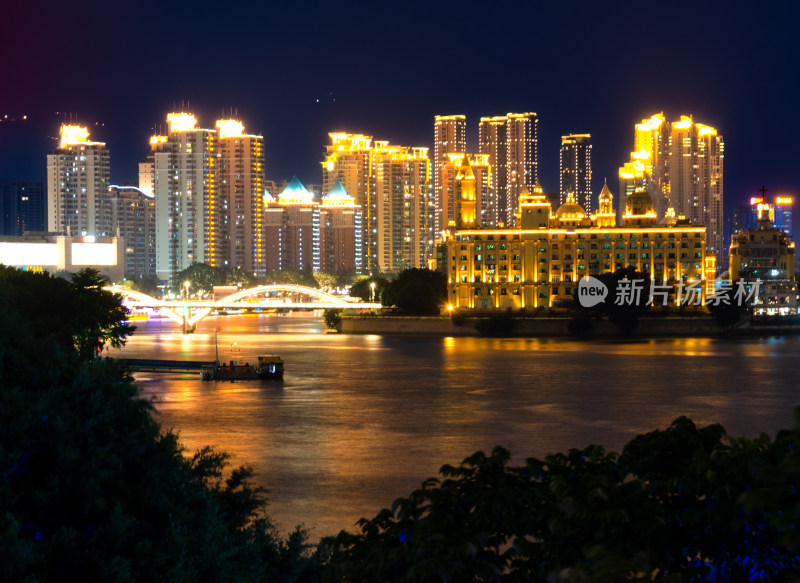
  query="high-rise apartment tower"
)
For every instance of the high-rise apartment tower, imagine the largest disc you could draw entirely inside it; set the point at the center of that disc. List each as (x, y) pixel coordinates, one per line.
(680, 164)
(78, 176)
(575, 167)
(511, 142)
(449, 137)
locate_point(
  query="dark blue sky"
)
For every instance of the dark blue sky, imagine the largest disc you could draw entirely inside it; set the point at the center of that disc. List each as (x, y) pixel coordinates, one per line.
(387, 68)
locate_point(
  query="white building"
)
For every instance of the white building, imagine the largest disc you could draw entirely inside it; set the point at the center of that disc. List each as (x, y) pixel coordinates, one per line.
(78, 177)
(180, 173)
(63, 253)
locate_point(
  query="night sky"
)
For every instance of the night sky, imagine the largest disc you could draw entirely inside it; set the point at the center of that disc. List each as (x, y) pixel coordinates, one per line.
(296, 71)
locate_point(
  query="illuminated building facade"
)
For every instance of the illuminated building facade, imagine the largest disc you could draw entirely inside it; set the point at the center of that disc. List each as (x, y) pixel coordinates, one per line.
(681, 166)
(449, 137)
(575, 168)
(512, 145)
(522, 158)
(339, 233)
(23, 207)
(391, 185)
(348, 159)
(448, 205)
(538, 263)
(649, 163)
(783, 213)
(78, 177)
(133, 217)
(291, 230)
(492, 144)
(236, 234)
(768, 254)
(180, 173)
(403, 206)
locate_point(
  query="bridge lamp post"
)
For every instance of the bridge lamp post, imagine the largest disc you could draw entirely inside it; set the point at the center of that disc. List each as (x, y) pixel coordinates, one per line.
(372, 295)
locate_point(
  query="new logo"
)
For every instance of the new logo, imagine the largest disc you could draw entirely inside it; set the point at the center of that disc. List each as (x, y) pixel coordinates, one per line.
(591, 291)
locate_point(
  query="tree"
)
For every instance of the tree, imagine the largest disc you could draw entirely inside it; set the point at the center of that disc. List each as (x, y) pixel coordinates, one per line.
(147, 285)
(363, 289)
(623, 308)
(291, 276)
(727, 308)
(75, 314)
(201, 276)
(325, 281)
(236, 276)
(91, 488)
(333, 317)
(416, 291)
(681, 504)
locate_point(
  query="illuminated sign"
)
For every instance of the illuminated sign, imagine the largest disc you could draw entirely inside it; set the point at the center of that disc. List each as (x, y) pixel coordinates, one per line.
(756, 200)
(783, 200)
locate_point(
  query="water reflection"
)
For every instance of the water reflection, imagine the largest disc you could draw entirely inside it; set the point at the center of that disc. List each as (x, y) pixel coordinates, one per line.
(361, 420)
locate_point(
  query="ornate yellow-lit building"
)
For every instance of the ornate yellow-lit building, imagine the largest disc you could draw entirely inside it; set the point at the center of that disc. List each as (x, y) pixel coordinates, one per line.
(768, 254)
(453, 173)
(538, 263)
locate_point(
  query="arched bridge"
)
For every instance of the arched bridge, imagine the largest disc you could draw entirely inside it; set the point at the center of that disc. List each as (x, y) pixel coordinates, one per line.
(188, 313)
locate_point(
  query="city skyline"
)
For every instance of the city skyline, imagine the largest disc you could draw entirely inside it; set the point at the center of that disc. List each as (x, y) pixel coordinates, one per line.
(296, 84)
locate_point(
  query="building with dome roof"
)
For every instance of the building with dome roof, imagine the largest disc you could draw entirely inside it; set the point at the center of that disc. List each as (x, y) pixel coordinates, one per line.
(538, 262)
(571, 214)
(291, 229)
(339, 232)
(302, 233)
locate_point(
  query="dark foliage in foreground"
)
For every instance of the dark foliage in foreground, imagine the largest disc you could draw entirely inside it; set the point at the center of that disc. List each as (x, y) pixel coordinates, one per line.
(683, 504)
(91, 489)
(416, 291)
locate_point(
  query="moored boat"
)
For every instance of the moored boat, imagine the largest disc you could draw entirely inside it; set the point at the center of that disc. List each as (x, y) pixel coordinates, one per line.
(270, 367)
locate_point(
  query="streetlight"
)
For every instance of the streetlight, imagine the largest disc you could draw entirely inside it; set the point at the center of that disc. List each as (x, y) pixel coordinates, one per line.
(234, 348)
(372, 297)
(185, 324)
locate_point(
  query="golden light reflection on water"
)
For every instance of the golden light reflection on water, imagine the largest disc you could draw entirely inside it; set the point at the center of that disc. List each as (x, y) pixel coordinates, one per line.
(361, 420)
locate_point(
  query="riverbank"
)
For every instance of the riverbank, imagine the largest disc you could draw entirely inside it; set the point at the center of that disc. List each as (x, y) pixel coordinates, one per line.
(554, 327)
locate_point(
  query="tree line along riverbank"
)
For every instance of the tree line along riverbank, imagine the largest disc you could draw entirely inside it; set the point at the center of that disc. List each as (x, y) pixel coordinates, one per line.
(557, 327)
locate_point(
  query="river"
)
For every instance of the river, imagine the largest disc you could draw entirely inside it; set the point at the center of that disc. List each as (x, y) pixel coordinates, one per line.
(362, 420)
